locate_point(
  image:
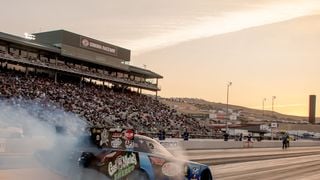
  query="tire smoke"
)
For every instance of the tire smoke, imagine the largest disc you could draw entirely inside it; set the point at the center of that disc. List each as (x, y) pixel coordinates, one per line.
(29, 138)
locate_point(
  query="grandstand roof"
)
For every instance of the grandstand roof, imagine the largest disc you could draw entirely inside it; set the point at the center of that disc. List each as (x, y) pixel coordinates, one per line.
(27, 42)
(147, 72)
(63, 38)
(53, 45)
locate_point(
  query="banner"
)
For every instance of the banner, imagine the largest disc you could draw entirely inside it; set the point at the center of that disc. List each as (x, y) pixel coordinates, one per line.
(95, 45)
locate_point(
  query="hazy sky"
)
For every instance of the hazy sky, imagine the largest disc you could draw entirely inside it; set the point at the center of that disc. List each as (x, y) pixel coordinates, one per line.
(265, 47)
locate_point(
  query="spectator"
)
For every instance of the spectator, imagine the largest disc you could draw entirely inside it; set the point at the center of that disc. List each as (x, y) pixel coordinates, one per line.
(249, 137)
(240, 137)
(285, 141)
(226, 136)
(186, 135)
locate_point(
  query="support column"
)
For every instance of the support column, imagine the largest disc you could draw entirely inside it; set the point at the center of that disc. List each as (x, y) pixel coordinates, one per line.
(27, 71)
(83, 84)
(80, 83)
(55, 77)
(157, 88)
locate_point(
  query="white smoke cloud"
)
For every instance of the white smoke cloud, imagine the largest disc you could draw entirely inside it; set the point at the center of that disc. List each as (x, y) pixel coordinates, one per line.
(28, 129)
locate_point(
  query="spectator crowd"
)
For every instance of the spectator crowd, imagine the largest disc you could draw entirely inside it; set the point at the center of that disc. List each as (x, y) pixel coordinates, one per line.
(74, 68)
(99, 105)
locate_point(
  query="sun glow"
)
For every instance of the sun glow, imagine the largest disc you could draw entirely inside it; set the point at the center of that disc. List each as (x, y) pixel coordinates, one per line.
(292, 109)
(207, 26)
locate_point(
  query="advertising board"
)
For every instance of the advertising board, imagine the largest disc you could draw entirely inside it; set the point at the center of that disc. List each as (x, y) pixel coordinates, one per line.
(97, 46)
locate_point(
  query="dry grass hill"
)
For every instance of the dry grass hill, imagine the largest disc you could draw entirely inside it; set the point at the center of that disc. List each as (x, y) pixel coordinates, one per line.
(247, 115)
(200, 106)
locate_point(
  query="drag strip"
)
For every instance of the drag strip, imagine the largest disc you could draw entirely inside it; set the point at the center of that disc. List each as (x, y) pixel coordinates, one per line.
(228, 160)
(297, 168)
(18, 161)
(209, 157)
(227, 156)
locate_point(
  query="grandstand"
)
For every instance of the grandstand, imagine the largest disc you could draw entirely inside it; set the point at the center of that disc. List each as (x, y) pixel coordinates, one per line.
(63, 53)
(89, 78)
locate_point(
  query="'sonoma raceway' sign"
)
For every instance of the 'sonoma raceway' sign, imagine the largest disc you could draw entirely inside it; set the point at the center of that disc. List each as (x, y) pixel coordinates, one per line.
(97, 46)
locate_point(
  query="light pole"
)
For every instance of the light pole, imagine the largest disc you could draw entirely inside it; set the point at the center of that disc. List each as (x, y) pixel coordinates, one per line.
(273, 98)
(228, 85)
(263, 101)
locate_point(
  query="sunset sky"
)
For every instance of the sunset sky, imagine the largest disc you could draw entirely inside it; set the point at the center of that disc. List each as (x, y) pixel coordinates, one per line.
(265, 47)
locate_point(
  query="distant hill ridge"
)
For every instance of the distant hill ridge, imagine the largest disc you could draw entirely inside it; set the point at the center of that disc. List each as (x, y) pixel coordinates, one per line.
(197, 105)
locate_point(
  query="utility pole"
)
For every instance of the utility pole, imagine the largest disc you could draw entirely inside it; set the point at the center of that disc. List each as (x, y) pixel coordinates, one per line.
(273, 98)
(227, 114)
(263, 101)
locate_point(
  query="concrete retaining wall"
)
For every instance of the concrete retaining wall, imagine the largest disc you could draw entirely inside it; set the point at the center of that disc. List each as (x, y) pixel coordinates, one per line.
(198, 144)
(30, 145)
(23, 145)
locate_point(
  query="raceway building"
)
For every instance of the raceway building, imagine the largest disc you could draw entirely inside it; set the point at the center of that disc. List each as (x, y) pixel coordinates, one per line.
(62, 53)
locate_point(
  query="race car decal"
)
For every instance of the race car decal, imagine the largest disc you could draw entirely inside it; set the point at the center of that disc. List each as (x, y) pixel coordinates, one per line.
(170, 169)
(123, 165)
(167, 169)
(129, 144)
(121, 138)
(113, 138)
(116, 143)
(169, 144)
(115, 164)
(129, 134)
(157, 161)
(104, 137)
(195, 172)
(96, 136)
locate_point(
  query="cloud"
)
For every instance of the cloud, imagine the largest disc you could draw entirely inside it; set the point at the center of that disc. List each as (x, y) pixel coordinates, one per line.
(211, 25)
